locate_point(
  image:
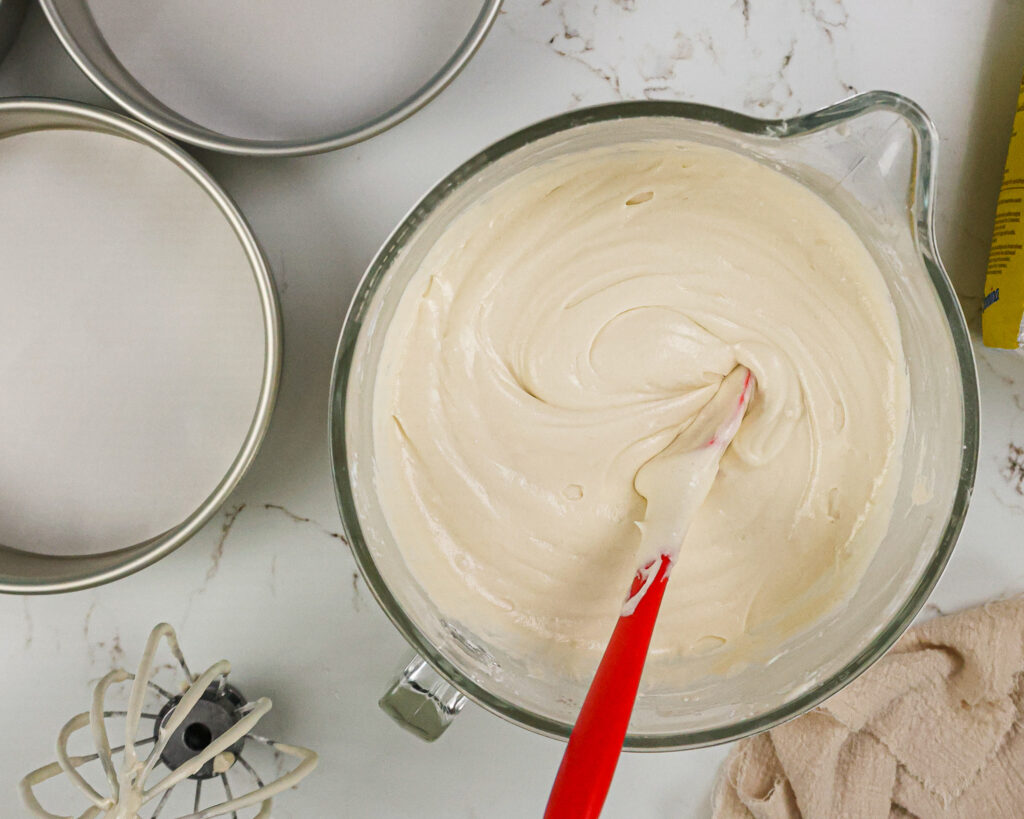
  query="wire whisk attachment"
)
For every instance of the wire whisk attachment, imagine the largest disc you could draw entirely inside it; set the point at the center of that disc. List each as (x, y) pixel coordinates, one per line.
(198, 735)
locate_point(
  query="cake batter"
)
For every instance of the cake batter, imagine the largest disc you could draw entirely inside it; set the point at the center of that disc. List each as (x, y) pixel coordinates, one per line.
(560, 334)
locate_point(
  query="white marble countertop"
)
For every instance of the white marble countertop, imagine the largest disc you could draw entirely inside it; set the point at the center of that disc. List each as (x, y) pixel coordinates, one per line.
(268, 583)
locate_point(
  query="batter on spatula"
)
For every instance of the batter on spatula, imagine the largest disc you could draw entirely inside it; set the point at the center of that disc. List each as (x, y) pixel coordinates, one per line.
(561, 333)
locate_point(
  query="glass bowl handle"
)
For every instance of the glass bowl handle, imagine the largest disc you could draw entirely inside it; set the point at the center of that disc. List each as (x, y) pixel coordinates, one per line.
(422, 701)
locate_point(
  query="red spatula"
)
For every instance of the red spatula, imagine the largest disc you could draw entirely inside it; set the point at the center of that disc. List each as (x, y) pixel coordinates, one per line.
(675, 483)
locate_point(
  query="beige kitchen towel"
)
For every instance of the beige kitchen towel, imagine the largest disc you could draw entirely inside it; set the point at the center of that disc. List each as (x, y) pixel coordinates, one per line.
(934, 729)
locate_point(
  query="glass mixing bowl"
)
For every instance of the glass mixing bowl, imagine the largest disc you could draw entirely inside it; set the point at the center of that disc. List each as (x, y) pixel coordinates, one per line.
(872, 157)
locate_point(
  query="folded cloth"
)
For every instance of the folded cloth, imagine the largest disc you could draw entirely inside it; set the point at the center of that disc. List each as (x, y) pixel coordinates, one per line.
(934, 729)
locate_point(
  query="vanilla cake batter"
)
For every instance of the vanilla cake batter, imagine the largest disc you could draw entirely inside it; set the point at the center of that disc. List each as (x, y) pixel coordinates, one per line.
(563, 331)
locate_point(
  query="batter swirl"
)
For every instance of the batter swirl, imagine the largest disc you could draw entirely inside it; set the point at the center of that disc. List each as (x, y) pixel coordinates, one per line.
(561, 333)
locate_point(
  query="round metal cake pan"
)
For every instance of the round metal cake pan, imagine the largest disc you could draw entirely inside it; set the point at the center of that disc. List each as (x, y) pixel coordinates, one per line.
(77, 29)
(23, 572)
(12, 12)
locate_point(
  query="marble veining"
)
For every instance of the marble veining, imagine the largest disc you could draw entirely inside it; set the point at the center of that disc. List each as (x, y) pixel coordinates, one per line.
(356, 595)
(103, 652)
(933, 610)
(87, 622)
(300, 519)
(27, 623)
(1013, 469)
(629, 47)
(228, 519)
(229, 516)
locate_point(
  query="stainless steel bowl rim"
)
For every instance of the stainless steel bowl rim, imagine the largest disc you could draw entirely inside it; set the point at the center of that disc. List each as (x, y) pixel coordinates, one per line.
(212, 140)
(127, 560)
(924, 182)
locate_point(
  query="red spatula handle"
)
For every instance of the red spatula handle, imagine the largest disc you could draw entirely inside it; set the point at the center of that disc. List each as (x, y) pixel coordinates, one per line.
(593, 751)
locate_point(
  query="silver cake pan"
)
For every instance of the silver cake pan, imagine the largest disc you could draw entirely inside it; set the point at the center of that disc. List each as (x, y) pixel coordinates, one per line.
(75, 24)
(23, 572)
